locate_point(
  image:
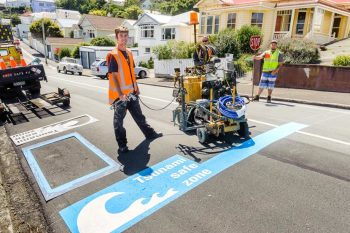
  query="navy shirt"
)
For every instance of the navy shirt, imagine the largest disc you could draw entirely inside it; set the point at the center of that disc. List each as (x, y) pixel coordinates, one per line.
(113, 64)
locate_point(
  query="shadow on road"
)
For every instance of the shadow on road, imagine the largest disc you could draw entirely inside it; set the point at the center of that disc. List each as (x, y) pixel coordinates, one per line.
(135, 161)
(213, 147)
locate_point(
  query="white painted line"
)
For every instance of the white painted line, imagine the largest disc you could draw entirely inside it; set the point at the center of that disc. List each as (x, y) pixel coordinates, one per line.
(29, 55)
(105, 88)
(256, 121)
(305, 133)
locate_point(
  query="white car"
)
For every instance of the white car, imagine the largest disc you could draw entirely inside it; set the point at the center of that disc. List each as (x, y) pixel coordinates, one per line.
(99, 68)
(71, 65)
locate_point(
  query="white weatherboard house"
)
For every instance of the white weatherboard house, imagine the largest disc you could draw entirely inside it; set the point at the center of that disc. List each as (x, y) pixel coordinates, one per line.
(156, 29)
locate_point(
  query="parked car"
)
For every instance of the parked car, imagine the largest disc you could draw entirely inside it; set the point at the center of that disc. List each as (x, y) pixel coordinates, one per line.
(71, 65)
(99, 68)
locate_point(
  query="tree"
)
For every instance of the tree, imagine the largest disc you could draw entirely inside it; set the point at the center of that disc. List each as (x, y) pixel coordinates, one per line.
(65, 52)
(243, 37)
(173, 7)
(51, 28)
(225, 42)
(98, 12)
(102, 41)
(75, 52)
(132, 12)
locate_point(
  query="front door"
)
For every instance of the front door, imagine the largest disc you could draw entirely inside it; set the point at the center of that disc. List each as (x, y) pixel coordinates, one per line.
(336, 26)
(300, 23)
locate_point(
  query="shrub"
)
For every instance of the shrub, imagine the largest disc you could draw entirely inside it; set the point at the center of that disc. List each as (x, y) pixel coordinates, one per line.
(243, 37)
(150, 63)
(102, 41)
(143, 64)
(244, 63)
(174, 50)
(225, 42)
(75, 52)
(65, 52)
(162, 52)
(298, 51)
(342, 60)
(71, 34)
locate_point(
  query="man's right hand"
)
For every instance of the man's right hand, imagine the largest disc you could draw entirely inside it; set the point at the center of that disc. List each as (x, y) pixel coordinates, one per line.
(123, 97)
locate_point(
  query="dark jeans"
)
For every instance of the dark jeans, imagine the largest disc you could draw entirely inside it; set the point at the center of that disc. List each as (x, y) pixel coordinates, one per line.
(135, 110)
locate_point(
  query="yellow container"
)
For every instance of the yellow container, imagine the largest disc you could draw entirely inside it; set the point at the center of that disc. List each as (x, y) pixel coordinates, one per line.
(193, 86)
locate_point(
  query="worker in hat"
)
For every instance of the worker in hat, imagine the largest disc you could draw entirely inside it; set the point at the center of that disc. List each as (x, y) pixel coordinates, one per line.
(203, 52)
(124, 92)
(273, 61)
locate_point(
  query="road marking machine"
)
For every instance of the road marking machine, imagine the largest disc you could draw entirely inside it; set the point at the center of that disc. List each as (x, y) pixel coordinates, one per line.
(209, 104)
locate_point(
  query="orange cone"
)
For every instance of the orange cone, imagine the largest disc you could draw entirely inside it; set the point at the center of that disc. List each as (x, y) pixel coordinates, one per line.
(13, 63)
(23, 62)
(2, 63)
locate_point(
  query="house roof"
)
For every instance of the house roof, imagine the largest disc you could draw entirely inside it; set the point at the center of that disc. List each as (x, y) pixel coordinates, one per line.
(67, 23)
(102, 22)
(167, 20)
(332, 3)
(158, 18)
(240, 2)
(60, 40)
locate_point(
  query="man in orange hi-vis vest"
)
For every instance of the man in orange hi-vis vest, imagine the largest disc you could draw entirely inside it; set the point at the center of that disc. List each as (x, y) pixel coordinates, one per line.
(124, 92)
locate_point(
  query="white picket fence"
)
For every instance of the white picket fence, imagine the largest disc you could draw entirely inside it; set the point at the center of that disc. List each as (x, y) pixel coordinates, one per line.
(165, 68)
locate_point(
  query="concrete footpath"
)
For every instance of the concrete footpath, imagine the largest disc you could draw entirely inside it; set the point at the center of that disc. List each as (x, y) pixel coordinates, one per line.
(20, 209)
(319, 98)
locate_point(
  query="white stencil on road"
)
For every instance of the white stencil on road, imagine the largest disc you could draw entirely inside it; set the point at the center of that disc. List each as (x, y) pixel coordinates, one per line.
(51, 129)
(95, 218)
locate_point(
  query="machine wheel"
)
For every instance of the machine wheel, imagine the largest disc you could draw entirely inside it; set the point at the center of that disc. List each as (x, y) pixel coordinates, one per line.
(243, 130)
(64, 70)
(66, 102)
(80, 73)
(202, 135)
(34, 92)
(58, 69)
(142, 74)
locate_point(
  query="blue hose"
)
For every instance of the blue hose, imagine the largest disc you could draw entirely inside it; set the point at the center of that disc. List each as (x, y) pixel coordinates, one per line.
(229, 113)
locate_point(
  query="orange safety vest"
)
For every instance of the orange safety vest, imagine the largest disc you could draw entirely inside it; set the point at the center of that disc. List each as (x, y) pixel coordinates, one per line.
(126, 75)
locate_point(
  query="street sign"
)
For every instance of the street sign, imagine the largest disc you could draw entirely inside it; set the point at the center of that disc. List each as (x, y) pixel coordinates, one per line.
(255, 42)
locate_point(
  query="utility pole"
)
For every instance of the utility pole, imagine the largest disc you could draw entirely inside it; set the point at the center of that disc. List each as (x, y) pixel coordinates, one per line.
(44, 40)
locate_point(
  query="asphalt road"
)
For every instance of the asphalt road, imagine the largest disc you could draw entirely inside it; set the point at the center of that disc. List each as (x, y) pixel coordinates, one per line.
(298, 184)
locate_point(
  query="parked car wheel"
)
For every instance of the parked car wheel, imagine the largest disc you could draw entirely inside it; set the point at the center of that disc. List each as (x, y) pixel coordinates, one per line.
(142, 74)
(58, 69)
(64, 70)
(80, 73)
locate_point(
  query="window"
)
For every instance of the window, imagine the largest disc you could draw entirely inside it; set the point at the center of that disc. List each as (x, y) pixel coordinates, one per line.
(147, 50)
(209, 24)
(168, 33)
(283, 21)
(41, 4)
(147, 31)
(231, 20)
(202, 31)
(91, 33)
(257, 19)
(217, 24)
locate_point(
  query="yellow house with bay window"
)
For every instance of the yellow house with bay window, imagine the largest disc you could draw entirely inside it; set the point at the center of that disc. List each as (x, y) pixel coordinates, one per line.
(320, 20)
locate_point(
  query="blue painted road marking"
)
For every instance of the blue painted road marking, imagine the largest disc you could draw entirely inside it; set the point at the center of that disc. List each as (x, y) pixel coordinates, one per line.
(119, 206)
(44, 185)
